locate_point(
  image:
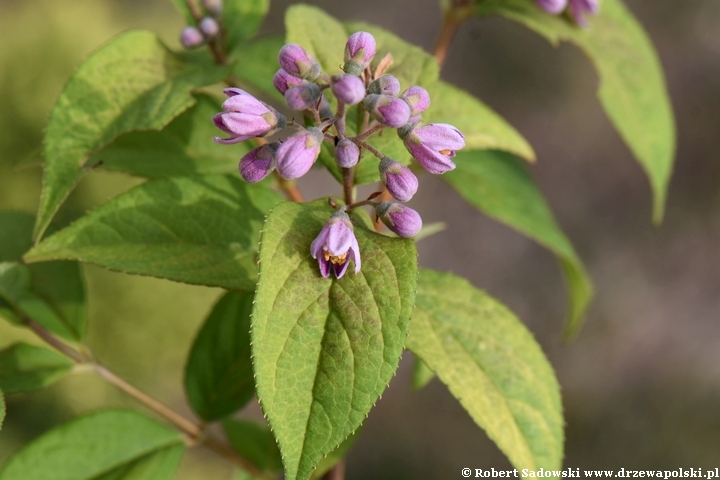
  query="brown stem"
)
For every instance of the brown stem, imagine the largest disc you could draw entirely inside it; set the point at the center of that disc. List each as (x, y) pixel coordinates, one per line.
(337, 472)
(192, 430)
(368, 133)
(289, 188)
(371, 149)
(383, 197)
(445, 37)
(348, 179)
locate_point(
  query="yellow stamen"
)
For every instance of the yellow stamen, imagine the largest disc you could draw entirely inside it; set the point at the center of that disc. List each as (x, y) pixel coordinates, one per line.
(335, 259)
(446, 152)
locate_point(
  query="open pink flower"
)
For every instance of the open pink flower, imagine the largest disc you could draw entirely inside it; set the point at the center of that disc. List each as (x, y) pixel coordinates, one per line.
(336, 245)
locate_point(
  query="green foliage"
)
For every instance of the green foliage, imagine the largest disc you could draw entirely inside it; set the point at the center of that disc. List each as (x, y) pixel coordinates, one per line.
(107, 445)
(241, 20)
(25, 368)
(2, 408)
(492, 365)
(202, 230)
(632, 86)
(498, 184)
(218, 375)
(183, 147)
(252, 68)
(325, 349)
(254, 442)
(132, 83)
(483, 128)
(421, 374)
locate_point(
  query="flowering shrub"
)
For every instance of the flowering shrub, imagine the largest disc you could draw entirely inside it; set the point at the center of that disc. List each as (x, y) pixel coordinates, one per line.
(322, 296)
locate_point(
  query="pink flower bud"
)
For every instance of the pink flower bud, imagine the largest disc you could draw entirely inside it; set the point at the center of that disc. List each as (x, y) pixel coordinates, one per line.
(283, 80)
(298, 153)
(209, 27)
(402, 220)
(302, 96)
(432, 145)
(359, 52)
(347, 153)
(246, 117)
(578, 9)
(388, 110)
(398, 179)
(191, 37)
(335, 246)
(348, 89)
(296, 61)
(418, 99)
(552, 6)
(259, 162)
(385, 85)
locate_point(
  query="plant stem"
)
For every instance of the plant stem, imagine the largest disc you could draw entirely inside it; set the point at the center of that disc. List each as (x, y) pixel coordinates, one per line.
(192, 430)
(371, 149)
(337, 472)
(348, 175)
(459, 12)
(368, 133)
(289, 188)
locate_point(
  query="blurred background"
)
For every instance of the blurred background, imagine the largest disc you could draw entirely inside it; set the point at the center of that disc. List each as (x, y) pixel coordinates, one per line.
(641, 385)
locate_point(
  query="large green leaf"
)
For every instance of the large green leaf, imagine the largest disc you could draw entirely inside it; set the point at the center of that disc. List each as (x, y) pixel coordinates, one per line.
(218, 375)
(241, 20)
(254, 442)
(492, 364)
(202, 230)
(92, 446)
(251, 66)
(325, 349)
(161, 464)
(632, 86)
(25, 368)
(324, 38)
(132, 83)
(498, 184)
(482, 127)
(54, 294)
(184, 147)
(421, 374)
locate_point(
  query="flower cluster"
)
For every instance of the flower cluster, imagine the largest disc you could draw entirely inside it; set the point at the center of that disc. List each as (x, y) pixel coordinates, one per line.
(207, 26)
(577, 8)
(302, 82)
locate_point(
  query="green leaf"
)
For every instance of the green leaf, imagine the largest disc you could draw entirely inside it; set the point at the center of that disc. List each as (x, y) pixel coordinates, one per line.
(92, 446)
(254, 442)
(492, 364)
(324, 38)
(421, 375)
(325, 349)
(632, 86)
(159, 465)
(482, 127)
(183, 8)
(53, 294)
(498, 184)
(218, 376)
(26, 368)
(184, 147)
(335, 456)
(132, 83)
(241, 20)
(199, 230)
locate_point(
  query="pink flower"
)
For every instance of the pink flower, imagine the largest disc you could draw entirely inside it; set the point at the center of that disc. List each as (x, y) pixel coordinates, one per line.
(432, 145)
(246, 117)
(336, 245)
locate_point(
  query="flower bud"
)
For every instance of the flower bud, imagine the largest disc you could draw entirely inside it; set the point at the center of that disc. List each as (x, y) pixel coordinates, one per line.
(259, 162)
(398, 179)
(432, 145)
(388, 110)
(552, 6)
(191, 37)
(347, 153)
(298, 153)
(246, 117)
(209, 27)
(578, 9)
(417, 98)
(336, 245)
(302, 96)
(283, 80)
(213, 7)
(296, 61)
(402, 220)
(385, 85)
(359, 52)
(348, 89)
